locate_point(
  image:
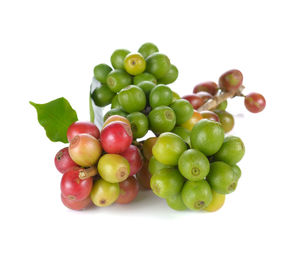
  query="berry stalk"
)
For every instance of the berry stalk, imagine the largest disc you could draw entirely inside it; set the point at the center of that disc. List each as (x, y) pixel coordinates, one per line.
(89, 172)
(218, 99)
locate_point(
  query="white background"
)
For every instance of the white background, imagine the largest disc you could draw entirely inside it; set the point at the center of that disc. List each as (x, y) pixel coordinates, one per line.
(48, 50)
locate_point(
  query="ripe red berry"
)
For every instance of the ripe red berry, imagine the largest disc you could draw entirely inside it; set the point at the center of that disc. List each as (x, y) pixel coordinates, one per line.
(74, 188)
(231, 80)
(76, 205)
(63, 161)
(205, 96)
(116, 137)
(255, 102)
(128, 190)
(210, 87)
(134, 157)
(194, 100)
(82, 127)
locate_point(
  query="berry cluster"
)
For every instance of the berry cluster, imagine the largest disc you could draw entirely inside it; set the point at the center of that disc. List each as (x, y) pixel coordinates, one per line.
(91, 155)
(189, 160)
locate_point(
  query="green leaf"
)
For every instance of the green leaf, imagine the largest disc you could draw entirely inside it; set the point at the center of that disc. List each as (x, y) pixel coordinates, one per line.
(56, 116)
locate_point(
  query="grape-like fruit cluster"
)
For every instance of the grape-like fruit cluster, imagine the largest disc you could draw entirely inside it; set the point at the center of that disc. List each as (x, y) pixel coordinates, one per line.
(230, 81)
(196, 176)
(111, 158)
(189, 161)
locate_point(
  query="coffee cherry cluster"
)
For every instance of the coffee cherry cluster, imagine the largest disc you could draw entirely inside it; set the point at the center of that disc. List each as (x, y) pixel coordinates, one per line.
(99, 167)
(189, 160)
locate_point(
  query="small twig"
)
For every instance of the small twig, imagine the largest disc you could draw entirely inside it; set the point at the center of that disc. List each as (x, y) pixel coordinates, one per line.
(89, 172)
(215, 101)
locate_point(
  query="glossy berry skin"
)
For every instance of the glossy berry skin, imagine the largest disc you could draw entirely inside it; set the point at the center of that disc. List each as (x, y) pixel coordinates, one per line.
(194, 100)
(128, 190)
(168, 148)
(139, 124)
(155, 166)
(175, 96)
(237, 171)
(114, 118)
(104, 193)
(231, 80)
(189, 124)
(222, 178)
(134, 64)
(210, 87)
(144, 77)
(74, 188)
(134, 157)
(85, 150)
(147, 147)
(101, 71)
(226, 120)
(162, 119)
(207, 136)
(210, 115)
(183, 110)
(113, 168)
(116, 137)
(183, 133)
(231, 151)
(115, 103)
(147, 87)
(193, 165)
(63, 161)
(205, 96)
(196, 195)
(76, 205)
(255, 102)
(117, 80)
(114, 111)
(132, 99)
(144, 176)
(160, 95)
(222, 106)
(147, 49)
(170, 76)
(158, 64)
(166, 182)
(102, 96)
(216, 203)
(82, 127)
(117, 58)
(176, 202)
